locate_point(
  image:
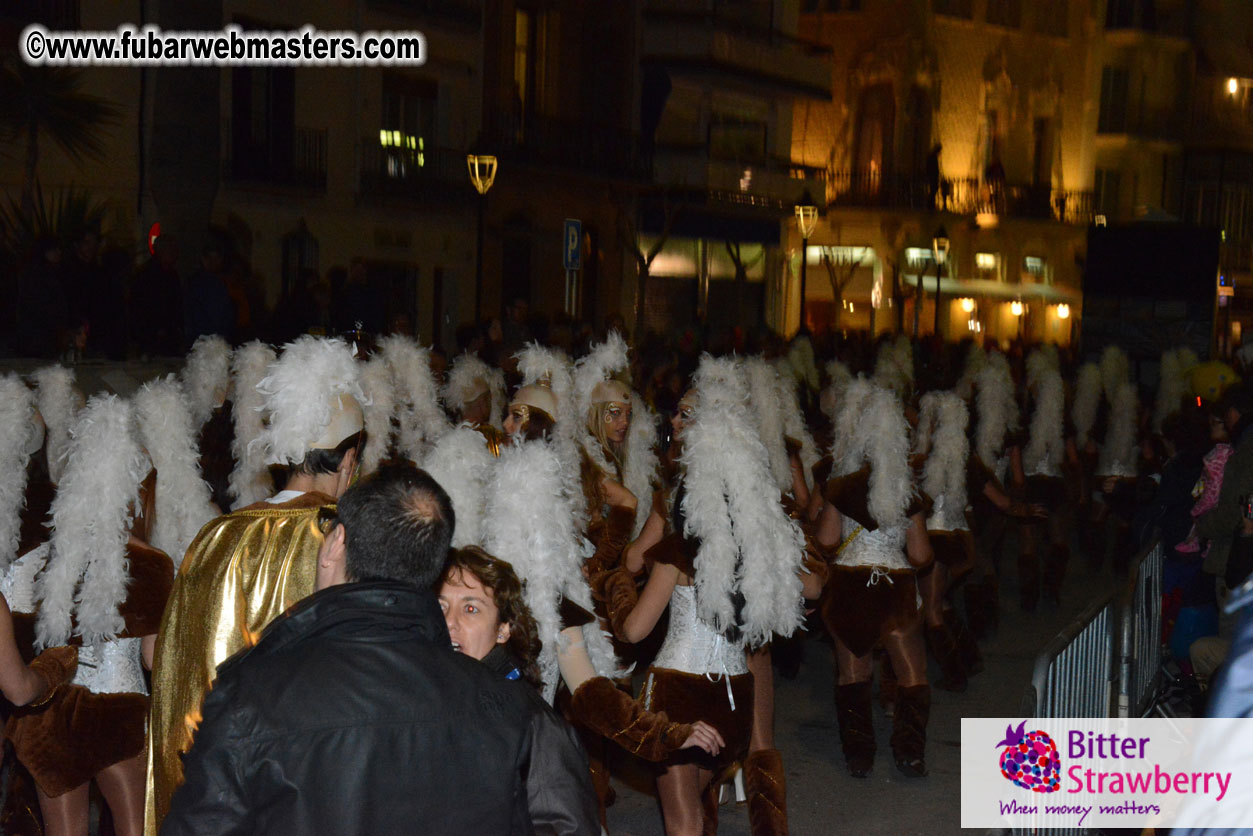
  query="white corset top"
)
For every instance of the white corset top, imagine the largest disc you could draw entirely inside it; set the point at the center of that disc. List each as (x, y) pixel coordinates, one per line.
(884, 547)
(112, 667)
(946, 516)
(692, 646)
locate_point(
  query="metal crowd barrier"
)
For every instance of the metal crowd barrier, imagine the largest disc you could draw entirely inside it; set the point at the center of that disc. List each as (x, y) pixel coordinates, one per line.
(1140, 634)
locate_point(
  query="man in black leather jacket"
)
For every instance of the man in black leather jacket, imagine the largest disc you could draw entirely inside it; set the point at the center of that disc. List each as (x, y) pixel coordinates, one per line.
(353, 715)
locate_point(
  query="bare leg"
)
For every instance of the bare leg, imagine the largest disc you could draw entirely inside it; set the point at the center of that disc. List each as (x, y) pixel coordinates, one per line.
(65, 814)
(763, 700)
(122, 785)
(679, 789)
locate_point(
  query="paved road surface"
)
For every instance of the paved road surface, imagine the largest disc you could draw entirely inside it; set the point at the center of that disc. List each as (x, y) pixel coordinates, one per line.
(822, 797)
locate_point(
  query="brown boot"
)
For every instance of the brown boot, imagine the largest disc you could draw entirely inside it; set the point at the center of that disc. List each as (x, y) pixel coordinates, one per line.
(944, 649)
(909, 730)
(852, 704)
(766, 787)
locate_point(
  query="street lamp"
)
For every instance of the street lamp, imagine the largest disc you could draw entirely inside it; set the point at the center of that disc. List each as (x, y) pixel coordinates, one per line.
(482, 175)
(939, 248)
(806, 221)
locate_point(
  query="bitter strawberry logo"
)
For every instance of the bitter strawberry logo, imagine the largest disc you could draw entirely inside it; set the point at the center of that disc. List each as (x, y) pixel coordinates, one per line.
(1030, 759)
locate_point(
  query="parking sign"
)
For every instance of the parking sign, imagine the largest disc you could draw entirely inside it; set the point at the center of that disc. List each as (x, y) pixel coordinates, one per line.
(572, 244)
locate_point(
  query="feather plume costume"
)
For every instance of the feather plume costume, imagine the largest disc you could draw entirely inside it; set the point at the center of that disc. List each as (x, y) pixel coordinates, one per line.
(462, 465)
(58, 401)
(182, 501)
(759, 554)
(206, 377)
(19, 439)
(947, 447)
(1045, 447)
(377, 383)
(998, 413)
(1120, 452)
(250, 480)
(1087, 402)
(420, 418)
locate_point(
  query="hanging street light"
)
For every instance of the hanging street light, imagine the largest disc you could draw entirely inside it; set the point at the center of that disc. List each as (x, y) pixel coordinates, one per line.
(939, 248)
(806, 222)
(482, 174)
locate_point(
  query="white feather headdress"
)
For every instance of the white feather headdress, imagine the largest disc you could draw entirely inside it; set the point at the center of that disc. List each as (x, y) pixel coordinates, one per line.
(794, 427)
(640, 468)
(533, 529)
(602, 363)
(377, 383)
(1046, 445)
(421, 419)
(838, 377)
(1120, 452)
(944, 474)
(298, 390)
(1115, 371)
(763, 401)
(183, 500)
(206, 377)
(462, 377)
(998, 412)
(58, 401)
(801, 364)
(249, 480)
(880, 436)
(552, 367)
(1087, 401)
(748, 545)
(894, 366)
(847, 454)
(17, 434)
(87, 572)
(1176, 371)
(461, 463)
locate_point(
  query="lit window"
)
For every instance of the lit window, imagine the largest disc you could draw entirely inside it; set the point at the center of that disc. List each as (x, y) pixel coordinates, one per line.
(987, 261)
(1033, 265)
(916, 256)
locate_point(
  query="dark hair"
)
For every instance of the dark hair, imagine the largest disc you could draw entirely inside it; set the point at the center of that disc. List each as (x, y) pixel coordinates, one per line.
(399, 524)
(498, 577)
(538, 426)
(328, 461)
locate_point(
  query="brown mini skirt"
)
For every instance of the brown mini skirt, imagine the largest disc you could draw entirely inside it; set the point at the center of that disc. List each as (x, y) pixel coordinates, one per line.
(954, 549)
(688, 697)
(74, 736)
(859, 614)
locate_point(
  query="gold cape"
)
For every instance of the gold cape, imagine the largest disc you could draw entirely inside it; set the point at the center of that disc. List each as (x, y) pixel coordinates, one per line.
(240, 573)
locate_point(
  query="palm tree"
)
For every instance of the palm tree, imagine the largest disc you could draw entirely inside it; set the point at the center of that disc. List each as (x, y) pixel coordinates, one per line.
(50, 101)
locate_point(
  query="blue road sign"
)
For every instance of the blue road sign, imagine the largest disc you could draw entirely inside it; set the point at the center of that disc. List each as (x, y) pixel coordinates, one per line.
(572, 244)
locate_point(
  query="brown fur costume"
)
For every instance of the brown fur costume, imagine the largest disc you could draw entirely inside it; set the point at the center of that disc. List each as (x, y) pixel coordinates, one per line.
(858, 614)
(688, 697)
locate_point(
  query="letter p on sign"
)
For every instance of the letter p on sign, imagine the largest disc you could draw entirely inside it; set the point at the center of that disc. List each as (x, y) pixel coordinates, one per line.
(572, 245)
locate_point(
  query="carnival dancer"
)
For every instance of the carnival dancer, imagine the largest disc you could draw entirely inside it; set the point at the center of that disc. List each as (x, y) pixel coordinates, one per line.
(206, 380)
(247, 567)
(1039, 465)
(475, 394)
(530, 523)
(103, 586)
(876, 521)
(728, 587)
(941, 442)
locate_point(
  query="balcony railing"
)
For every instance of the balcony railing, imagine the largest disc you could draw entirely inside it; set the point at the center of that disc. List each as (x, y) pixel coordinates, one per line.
(961, 196)
(1159, 124)
(768, 182)
(543, 140)
(408, 173)
(302, 167)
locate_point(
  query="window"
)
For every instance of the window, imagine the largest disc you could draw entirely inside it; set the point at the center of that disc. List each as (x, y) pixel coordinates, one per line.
(987, 262)
(1005, 13)
(1052, 18)
(1113, 115)
(528, 64)
(263, 123)
(1106, 191)
(407, 129)
(954, 8)
(731, 138)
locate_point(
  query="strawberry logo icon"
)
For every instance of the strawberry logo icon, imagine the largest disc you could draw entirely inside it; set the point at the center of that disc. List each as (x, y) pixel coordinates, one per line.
(1030, 759)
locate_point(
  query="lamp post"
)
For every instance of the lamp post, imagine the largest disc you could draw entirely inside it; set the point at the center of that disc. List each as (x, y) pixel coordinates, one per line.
(482, 175)
(939, 248)
(806, 220)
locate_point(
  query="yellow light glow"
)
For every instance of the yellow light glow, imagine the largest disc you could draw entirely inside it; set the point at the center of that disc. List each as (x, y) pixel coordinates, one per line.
(985, 261)
(1015, 308)
(968, 305)
(1063, 311)
(1233, 86)
(384, 136)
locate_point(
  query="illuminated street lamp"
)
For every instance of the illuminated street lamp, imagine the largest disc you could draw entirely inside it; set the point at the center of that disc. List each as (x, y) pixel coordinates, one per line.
(482, 175)
(1233, 86)
(939, 249)
(806, 221)
(1063, 311)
